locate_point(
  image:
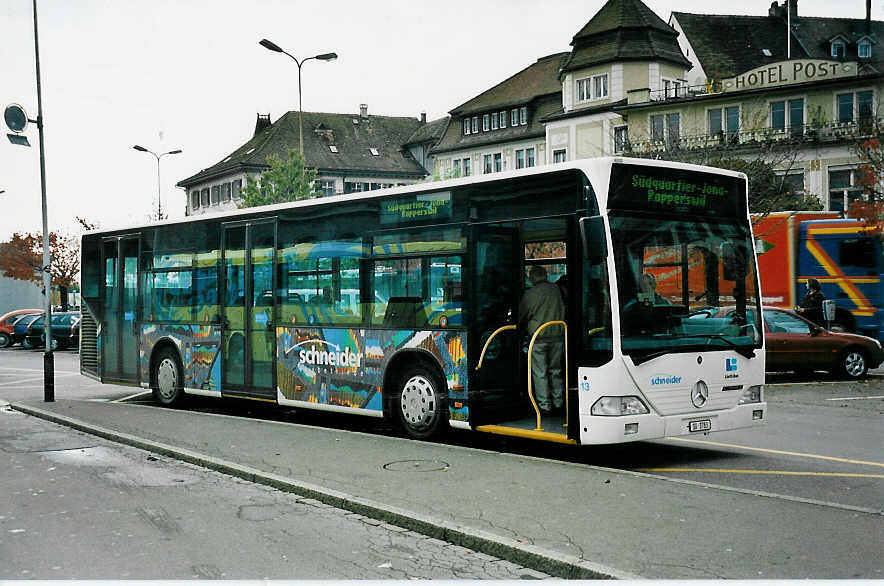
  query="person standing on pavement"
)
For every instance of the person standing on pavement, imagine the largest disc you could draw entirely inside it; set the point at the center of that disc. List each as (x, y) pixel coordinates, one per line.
(540, 304)
(811, 305)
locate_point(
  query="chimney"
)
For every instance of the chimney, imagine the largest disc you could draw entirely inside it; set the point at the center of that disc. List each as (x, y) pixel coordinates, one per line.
(261, 123)
(774, 10)
(424, 113)
(363, 110)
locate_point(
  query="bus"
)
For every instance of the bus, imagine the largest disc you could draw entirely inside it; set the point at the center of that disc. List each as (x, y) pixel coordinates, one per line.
(403, 303)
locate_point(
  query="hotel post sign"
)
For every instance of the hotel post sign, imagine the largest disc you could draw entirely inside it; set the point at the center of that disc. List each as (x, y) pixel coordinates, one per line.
(789, 72)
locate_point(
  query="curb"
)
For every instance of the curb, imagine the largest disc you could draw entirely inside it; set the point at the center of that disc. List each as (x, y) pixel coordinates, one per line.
(525, 554)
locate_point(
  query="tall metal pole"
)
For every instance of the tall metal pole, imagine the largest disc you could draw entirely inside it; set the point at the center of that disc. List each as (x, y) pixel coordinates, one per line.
(159, 201)
(300, 112)
(48, 357)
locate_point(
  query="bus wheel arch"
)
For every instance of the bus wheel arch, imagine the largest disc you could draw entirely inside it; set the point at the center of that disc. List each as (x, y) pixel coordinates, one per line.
(418, 397)
(167, 374)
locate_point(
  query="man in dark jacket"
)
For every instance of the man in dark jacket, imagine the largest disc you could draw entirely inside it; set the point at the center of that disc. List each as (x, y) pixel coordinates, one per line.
(811, 305)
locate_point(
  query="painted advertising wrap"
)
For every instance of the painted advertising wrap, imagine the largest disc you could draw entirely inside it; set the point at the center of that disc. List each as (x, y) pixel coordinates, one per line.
(200, 351)
(345, 367)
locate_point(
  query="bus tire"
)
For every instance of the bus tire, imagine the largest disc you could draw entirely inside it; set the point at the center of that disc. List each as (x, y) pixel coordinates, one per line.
(853, 363)
(422, 404)
(167, 377)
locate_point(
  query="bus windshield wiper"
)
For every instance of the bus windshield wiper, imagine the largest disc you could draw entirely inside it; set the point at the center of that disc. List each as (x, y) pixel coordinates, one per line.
(746, 351)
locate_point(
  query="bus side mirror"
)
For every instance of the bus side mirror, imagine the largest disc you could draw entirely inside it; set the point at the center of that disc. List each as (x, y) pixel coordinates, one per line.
(736, 265)
(592, 235)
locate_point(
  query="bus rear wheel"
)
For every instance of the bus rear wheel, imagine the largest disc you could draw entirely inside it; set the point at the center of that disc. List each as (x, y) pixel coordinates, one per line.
(168, 381)
(422, 403)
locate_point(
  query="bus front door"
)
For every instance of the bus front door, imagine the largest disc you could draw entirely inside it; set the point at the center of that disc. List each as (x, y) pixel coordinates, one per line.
(496, 389)
(249, 338)
(120, 327)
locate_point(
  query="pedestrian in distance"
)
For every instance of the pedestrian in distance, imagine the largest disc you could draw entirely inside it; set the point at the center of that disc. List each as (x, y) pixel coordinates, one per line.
(811, 305)
(540, 304)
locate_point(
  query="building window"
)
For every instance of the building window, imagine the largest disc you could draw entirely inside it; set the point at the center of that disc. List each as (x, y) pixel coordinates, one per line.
(466, 126)
(854, 104)
(524, 158)
(487, 166)
(333, 148)
(503, 119)
(864, 49)
(724, 119)
(837, 49)
(475, 124)
(794, 179)
(787, 114)
(592, 88)
(216, 194)
(498, 162)
(844, 189)
(520, 159)
(374, 152)
(529, 157)
(327, 187)
(494, 121)
(225, 192)
(671, 88)
(621, 138)
(665, 128)
(560, 156)
(204, 198)
(486, 122)
(236, 188)
(523, 115)
(466, 167)
(195, 199)
(514, 117)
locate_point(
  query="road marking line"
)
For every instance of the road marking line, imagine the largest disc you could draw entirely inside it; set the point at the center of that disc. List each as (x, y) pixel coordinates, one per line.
(856, 398)
(781, 452)
(766, 472)
(131, 396)
(5, 368)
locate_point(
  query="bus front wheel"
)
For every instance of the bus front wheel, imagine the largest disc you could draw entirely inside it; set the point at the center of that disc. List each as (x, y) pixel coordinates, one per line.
(168, 382)
(422, 403)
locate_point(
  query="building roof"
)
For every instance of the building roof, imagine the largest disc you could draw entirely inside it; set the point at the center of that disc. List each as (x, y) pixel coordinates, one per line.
(431, 132)
(352, 134)
(624, 30)
(727, 45)
(537, 86)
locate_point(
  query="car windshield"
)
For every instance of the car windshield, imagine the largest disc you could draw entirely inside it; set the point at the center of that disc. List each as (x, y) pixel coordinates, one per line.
(673, 274)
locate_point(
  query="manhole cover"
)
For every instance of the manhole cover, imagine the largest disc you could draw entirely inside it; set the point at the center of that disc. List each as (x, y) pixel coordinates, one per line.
(416, 466)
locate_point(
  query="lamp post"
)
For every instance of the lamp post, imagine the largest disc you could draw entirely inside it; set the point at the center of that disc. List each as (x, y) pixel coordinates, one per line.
(323, 57)
(160, 156)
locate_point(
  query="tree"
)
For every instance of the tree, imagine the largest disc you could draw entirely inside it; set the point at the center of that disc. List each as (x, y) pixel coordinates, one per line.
(285, 180)
(21, 257)
(870, 175)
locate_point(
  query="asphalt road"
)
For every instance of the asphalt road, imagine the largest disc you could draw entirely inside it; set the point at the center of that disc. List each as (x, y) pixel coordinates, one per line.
(815, 472)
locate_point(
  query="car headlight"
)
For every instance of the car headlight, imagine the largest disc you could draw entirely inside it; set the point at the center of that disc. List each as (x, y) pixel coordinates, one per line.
(616, 406)
(752, 395)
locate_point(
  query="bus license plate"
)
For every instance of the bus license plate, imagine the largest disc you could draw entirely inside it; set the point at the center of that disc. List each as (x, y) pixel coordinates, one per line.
(701, 425)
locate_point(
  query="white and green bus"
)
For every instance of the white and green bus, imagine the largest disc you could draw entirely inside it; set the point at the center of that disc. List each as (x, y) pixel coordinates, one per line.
(402, 303)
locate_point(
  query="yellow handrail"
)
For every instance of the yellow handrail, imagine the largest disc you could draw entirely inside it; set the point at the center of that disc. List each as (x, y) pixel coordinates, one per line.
(530, 378)
(488, 341)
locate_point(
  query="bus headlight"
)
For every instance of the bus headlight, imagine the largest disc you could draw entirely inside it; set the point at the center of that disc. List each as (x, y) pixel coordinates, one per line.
(614, 406)
(752, 395)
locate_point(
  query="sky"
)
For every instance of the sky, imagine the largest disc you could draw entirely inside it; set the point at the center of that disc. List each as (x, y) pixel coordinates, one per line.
(190, 75)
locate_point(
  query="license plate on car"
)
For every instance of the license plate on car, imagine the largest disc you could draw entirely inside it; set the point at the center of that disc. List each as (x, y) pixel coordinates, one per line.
(701, 425)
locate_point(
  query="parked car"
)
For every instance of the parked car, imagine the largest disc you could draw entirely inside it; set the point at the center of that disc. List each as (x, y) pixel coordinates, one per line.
(65, 331)
(7, 321)
(21, 328)
(794, 343)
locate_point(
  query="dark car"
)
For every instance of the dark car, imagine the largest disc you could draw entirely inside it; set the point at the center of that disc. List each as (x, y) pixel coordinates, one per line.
(20, 328)
(794, 343)
(7, 322)
(65, 331)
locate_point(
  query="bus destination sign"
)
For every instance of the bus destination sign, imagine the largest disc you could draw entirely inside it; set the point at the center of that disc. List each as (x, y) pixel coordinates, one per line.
(427, 206)
(641, 187)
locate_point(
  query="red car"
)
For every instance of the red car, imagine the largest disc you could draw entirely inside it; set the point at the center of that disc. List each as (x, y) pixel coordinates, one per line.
(7, 320)
(795, 344)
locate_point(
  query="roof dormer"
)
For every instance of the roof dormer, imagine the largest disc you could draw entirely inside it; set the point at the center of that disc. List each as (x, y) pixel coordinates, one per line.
(864, 47)
(838, 46)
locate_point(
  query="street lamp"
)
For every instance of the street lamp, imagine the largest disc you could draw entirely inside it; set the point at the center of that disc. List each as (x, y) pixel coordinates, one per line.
(160, 156)
(323, 57)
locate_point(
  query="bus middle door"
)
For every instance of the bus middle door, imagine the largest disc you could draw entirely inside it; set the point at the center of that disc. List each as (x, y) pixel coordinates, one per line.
(496, 253)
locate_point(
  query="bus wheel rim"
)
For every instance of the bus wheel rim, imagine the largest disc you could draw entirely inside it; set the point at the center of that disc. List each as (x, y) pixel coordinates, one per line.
(854, 364)
(418, 401)
(167, 378)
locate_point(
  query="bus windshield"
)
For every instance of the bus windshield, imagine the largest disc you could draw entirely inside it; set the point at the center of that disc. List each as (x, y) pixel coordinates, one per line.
(684, 285)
